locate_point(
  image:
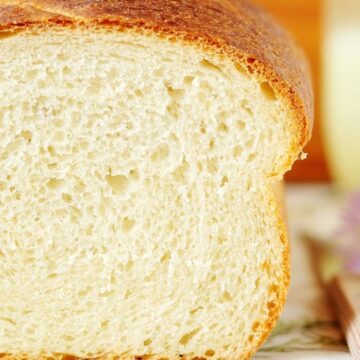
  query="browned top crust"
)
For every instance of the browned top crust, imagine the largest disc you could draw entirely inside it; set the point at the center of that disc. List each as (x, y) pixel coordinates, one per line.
(235, 28)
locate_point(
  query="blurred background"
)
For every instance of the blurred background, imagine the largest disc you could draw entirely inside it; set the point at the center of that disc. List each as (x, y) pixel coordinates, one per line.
(329, 32)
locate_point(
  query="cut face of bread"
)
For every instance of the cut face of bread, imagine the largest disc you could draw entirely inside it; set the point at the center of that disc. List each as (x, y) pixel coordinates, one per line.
(136, 210)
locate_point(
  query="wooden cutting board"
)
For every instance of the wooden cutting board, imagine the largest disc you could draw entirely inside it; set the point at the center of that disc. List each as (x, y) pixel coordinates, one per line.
(345, 294)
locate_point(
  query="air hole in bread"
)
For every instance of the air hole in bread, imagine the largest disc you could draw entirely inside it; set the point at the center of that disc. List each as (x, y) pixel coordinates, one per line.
(138, 93)
(161, 153)
(68, 337)
(104, 324)
(237, 151)
(175, 94)
(26, 134)
(226, 296)
(7, 34)
(274, 288)
(249, 143)
(129, 265)
(224, 181)
(212, 143)
(268, 91)
(271, 306)
(250, 69)
(255, 325)
(251, 157)
(134, 175)
(188, 80)
(181, 173)
(66, 70)
(32, 74)
(210, 353)
(221, 239)
(185, 339)
(223, 127)
(165, 258)
(241, 125)
(118, 183)
(66, 198)
(241, 69)
(173, 110)
(128, 224)
(55, 184)
(147, 342)
(51, 150)
(208, 65)
(193, 311)
(94, 88)
(249, 185)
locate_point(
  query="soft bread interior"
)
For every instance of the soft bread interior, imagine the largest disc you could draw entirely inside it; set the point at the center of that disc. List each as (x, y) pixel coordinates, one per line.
(135, 210)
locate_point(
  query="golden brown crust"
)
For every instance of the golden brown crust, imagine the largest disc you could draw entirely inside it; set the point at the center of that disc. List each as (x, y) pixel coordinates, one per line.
(235, 28)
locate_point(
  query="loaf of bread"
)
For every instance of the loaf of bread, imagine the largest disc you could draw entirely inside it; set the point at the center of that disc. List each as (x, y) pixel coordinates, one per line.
(139, 143)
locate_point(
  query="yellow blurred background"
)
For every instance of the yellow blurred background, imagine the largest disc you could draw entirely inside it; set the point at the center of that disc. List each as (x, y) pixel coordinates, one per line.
(304, 19)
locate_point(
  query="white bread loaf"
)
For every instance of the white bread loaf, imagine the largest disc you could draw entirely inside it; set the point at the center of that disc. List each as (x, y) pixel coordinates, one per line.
(139, 142)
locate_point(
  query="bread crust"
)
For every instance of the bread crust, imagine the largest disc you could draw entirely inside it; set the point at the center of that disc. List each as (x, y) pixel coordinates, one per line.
(233, 28)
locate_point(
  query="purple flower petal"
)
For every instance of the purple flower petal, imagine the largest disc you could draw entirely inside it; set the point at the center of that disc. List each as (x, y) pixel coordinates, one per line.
(349, 234)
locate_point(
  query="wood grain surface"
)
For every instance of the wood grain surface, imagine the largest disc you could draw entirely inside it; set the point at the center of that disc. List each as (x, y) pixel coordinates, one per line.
(345, 292)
